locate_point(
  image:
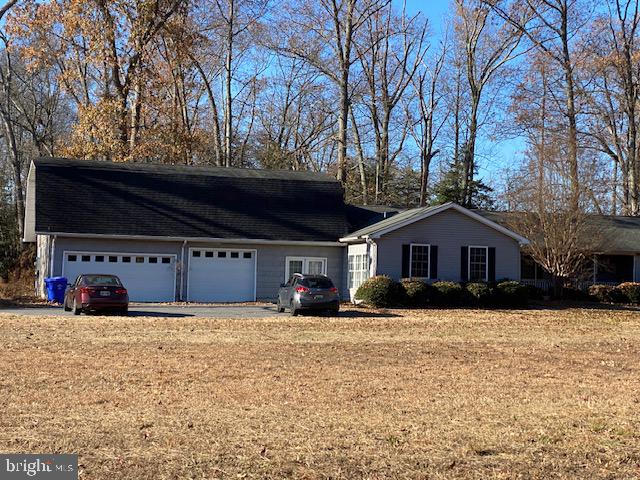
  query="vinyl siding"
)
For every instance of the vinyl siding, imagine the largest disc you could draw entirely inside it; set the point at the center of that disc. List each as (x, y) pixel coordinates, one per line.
(449, 230)
(270, 259)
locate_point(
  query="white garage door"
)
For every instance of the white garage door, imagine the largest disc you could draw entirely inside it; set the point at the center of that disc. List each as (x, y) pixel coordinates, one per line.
(221, 275)
(147, 277)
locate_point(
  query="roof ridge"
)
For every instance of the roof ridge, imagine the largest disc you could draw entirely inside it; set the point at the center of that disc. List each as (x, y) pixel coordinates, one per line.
(162, 168)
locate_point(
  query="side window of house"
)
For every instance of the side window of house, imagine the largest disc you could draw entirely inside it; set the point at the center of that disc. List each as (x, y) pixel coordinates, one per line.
(358, 270)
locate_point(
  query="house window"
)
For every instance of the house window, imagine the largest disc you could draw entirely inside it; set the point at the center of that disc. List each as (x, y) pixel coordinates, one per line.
(235, 254)
(99, 258)
(153, 259)
(86, 258)
(208, 254)
(166, 260)
(113, 259)
(196, 253)
(246, 255)
(311, 265)
(419, 261)
(126, 259)
(222, 254)
(358, 270)
(72, 258)
(478, 263)
(139, 259)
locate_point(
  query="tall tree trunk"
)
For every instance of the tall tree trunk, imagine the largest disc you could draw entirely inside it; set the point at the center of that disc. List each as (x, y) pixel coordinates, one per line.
(360, 152)
(228, 134)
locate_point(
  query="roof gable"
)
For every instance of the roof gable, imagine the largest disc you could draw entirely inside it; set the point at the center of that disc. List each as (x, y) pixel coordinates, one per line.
(408, 217)
(102, 198)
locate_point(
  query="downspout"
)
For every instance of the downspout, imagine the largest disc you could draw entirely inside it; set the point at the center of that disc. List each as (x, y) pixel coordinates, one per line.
(372, 255)
(53, 255)
(184, 244)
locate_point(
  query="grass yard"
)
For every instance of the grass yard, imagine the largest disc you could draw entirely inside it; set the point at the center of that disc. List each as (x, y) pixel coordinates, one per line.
(433, 394)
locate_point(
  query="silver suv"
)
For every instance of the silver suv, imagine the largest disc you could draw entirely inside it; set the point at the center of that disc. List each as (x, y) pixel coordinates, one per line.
(308, 292)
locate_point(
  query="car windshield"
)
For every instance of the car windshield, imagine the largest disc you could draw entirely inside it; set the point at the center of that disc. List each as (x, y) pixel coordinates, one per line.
(317, 282)
(102, 280)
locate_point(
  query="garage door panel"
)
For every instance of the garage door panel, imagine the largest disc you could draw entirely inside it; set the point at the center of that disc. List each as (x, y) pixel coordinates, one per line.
(221, 275)
(147, 277)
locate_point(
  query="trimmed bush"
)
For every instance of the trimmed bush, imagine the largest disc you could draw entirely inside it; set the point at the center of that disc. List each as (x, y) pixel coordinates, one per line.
(608, 293)
(381, 291)
(512, 294)
(535, 293)
(630, 291)
(450, 294)
(481, 293)
(602, 293)
(418, 293)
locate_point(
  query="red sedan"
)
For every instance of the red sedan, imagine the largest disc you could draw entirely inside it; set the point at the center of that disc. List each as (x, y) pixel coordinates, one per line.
(96, 292)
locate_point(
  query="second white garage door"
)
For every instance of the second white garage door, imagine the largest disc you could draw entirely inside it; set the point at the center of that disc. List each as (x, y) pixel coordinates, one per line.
(221, 275)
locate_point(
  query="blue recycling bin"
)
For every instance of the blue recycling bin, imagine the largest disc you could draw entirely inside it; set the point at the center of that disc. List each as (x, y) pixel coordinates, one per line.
(56, 286)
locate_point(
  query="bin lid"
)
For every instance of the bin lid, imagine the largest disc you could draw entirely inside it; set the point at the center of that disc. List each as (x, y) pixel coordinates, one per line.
(55, 279)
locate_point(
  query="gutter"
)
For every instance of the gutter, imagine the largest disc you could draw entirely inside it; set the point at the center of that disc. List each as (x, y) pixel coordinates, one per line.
(248, 241)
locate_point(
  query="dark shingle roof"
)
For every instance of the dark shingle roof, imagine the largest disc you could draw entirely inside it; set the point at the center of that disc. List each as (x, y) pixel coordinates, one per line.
(95, 197)
(611, 233)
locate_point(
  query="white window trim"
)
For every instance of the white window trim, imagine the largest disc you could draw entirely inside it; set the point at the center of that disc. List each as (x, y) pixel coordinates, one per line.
(486, 262)
(411, 245)
(305, 261)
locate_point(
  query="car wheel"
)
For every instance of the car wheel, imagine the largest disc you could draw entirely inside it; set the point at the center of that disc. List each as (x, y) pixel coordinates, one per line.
(65, 306)
(334, 313)
(294, 311)
(124, 311)
(280, 307)
(76, 310)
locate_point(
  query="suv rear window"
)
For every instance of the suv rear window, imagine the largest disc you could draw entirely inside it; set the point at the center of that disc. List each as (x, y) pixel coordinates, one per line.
(316, 282)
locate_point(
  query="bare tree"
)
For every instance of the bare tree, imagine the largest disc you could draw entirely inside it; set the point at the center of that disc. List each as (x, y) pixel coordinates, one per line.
(390, 49)
(426, 129)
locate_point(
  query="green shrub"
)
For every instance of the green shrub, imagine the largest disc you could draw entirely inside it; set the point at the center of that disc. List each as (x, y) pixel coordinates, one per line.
(535, 293)
(629, 291)
(512, 294)
(602, 293)
(450, 294)
(481, 293)
(381, 291)
(418, 293)
(573, 293)
(608, 294)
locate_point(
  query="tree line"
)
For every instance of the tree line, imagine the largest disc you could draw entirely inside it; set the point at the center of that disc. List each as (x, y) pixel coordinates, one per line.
(401, 111)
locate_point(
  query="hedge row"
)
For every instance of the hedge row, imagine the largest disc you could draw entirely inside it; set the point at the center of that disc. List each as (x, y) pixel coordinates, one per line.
(628, 292)
(382, 291)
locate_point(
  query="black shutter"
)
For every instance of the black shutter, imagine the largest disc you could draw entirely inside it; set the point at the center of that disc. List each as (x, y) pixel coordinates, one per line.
(492, 264)
(433, 262)
(406, 257)
(464, 264)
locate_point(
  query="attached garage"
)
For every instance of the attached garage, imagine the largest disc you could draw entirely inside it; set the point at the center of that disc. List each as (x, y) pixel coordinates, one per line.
(147, 277)
(221, 275)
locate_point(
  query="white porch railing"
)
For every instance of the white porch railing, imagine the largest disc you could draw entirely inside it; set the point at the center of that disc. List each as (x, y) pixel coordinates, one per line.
(547, 285)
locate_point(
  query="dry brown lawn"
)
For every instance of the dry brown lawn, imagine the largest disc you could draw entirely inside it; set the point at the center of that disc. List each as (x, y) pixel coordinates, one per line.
(433, 394)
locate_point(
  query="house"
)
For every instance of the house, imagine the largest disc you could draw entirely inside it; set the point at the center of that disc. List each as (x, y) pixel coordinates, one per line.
(212, 234)
(613, 240)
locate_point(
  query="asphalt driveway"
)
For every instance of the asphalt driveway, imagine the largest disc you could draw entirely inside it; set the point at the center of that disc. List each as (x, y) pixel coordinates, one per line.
(157, 310)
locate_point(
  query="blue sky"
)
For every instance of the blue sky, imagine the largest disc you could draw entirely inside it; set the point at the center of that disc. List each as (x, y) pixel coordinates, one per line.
(495, 156)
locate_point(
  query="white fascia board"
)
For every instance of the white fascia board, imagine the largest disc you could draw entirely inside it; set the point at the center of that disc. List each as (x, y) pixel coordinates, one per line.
(30, 207)
(458, 208)
(251, 241)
